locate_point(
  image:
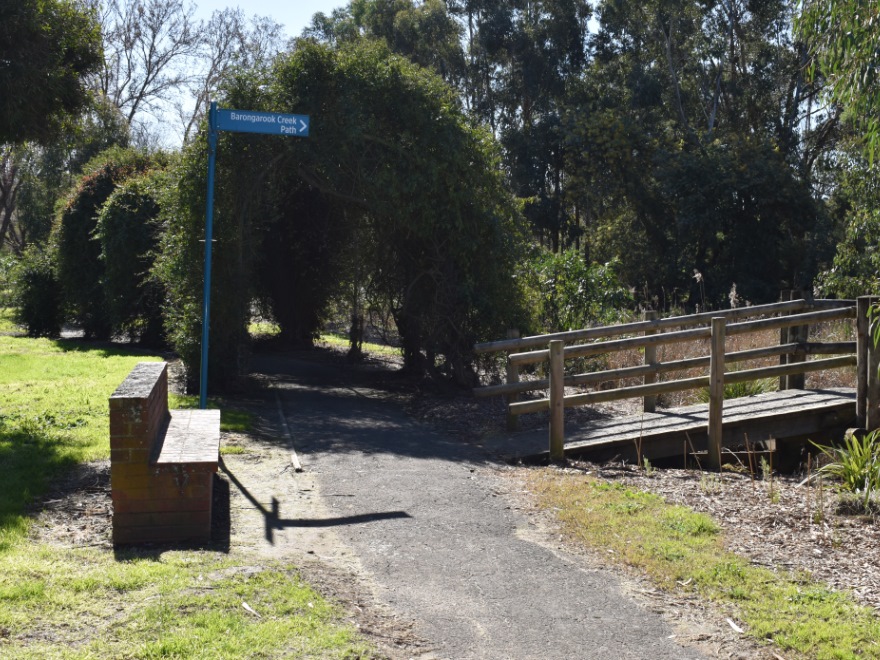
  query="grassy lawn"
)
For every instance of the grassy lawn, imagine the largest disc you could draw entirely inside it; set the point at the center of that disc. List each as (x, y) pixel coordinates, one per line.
(90, 602)
(679, 549)
(7, 325)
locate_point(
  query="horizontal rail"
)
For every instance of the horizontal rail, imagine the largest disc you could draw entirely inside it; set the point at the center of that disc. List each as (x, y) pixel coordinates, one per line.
(678, 336)
(507, 345)
(790, 369)
(635, 327)
(636, 391)
(659, 368)
(791, 321)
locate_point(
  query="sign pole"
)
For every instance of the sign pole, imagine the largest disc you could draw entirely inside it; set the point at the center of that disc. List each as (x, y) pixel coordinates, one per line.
(209, 233)
(239, 121)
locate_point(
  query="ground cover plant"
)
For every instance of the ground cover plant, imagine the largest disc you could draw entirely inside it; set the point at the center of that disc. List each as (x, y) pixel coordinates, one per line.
(683, 551)
(83, 601)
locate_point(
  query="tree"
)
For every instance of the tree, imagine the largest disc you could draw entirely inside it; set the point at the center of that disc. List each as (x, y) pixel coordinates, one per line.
(146, 47)
(844, 36)
(693, 140)
(157, 54)
(129, 230)
(34, 176)
(77, 247)
(47, 48)
(393, 161)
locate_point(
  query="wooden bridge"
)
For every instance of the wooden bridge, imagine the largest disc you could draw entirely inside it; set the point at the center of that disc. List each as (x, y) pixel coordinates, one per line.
(790, 415)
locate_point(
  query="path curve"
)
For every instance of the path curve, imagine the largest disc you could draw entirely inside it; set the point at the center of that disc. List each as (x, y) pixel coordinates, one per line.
(426, 519)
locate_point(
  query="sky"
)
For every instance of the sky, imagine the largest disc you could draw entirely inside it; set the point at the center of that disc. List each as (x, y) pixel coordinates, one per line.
(293, 14)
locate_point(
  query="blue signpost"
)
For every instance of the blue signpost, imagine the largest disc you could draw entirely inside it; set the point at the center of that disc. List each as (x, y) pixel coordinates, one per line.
(239, 121)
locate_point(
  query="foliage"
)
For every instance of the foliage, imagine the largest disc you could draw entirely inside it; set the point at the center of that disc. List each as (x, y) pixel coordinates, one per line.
(36, 294)
(34, 176)
(740, 389)
(844, 35)
(681, 550)
(129, 231)
(47, 48)
(567, 293)
(77, 248)
(394, 172)
(855, 204)
(856, 464)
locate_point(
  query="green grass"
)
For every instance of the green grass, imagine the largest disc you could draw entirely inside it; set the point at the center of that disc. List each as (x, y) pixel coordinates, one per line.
(263, 329)
(92, 602)
(72, 603)
(53, 414)
(8, 326)
(675, 546)
(341, 341)
(231, 419)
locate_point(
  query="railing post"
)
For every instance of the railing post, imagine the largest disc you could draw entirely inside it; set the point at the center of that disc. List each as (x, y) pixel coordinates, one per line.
(784, 338)
(557, 404)
(716, 391)
(872, 404)
(863, 304)
(799, 334)
(649, 403)
(512, 377)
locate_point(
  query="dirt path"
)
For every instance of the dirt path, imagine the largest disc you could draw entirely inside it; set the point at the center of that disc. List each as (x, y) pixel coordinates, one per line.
(419, 531)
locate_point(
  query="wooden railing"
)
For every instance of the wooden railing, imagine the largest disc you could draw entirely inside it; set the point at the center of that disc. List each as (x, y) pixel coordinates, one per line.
(792, 318)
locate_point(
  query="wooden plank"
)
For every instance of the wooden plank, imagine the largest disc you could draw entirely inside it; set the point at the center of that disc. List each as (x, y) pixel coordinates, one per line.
(872, 406)
(681, 385)
(631, 343)
(790, 413)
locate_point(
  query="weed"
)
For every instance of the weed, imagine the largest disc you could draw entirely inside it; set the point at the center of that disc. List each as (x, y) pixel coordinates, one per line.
(767, 475)
(856, 464)
(740, 390)
(710, 483)
(649, 469)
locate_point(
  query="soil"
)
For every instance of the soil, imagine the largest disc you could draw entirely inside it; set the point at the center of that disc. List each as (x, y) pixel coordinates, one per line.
(775, 523)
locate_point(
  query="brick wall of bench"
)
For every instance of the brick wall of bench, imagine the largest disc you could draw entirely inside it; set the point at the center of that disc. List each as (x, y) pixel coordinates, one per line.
(162, 462)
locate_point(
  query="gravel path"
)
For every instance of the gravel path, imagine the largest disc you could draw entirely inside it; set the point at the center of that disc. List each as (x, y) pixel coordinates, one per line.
(428, 522)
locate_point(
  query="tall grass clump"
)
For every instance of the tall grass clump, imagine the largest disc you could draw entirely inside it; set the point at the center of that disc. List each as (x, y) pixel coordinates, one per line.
(855, 465)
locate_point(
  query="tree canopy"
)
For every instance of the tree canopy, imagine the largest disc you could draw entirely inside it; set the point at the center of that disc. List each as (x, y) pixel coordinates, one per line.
(395, 180)
(47, 49)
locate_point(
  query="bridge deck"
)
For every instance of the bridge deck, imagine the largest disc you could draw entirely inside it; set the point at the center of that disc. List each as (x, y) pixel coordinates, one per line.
(785, 415)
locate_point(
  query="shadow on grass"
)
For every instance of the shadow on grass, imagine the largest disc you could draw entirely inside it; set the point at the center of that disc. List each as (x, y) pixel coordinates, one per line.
(29, 460)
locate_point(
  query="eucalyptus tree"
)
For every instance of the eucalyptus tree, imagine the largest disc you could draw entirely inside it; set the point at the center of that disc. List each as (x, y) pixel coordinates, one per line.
(693, 139)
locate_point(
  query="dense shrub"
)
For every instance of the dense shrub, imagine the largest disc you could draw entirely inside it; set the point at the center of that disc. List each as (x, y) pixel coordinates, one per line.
(396, 184)
(36, 294)
(567, 293)
(77, 247)
(129, 231)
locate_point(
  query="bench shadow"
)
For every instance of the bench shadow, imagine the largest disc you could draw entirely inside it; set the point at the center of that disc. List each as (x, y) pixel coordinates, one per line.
(274, 522)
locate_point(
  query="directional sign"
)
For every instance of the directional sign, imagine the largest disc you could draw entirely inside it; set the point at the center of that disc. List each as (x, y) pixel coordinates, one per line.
(271, 123)
(240, 121)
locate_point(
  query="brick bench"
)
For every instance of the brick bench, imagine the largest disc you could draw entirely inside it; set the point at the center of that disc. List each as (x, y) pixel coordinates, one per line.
(162, 462)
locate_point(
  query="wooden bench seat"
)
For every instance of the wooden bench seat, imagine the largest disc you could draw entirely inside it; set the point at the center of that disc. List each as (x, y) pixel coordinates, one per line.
(162, 462)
